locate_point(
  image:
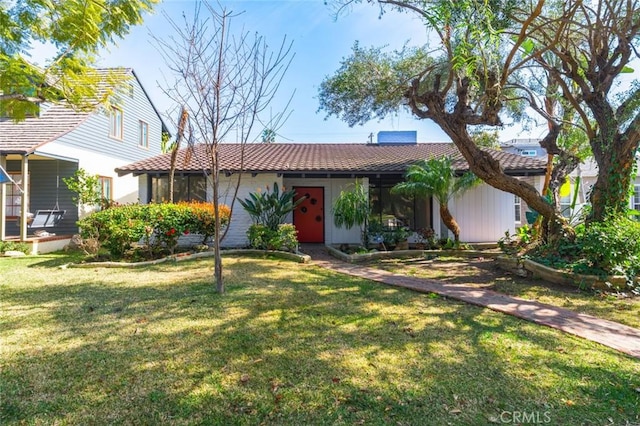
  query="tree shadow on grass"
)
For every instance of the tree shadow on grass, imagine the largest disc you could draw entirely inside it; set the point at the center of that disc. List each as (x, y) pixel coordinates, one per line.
(289, 345)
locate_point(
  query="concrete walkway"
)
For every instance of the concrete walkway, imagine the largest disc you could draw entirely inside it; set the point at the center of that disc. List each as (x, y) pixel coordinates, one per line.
(612, 334)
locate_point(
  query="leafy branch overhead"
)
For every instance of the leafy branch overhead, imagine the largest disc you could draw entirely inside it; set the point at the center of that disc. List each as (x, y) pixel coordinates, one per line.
(78, 30)
(490, 64)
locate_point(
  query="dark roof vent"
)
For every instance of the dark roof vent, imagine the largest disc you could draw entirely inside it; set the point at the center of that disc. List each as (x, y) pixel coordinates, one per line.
(398, 137)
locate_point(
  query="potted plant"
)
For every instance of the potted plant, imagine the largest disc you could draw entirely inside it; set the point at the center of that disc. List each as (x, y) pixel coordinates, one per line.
(400, 237)
(425, 239)
(352, 208)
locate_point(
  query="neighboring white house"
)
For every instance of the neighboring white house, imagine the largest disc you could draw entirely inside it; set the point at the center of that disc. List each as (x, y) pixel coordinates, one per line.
(40, 151)
(587, 172)
(321, 171)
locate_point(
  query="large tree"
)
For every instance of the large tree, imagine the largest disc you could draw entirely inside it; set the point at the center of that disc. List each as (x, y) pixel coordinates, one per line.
(224, 80)
(487, 65)
(470, 78)
(588, 52)
(77, 30)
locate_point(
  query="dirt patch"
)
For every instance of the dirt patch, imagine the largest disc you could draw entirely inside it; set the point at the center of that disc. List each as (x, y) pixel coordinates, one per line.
(481, 272)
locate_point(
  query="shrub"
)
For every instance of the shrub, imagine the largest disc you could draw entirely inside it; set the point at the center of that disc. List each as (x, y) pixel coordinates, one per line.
(166, 223)
(426, 236)
(264, 238)
(524, 236)
(203, 218)
(612, 246)
(14, 246)
(389, 236)
(116, 229)
(270, 208)
(159, 226)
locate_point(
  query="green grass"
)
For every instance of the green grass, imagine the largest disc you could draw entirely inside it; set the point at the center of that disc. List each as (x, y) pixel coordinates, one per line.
(287, 344)
(624, 309)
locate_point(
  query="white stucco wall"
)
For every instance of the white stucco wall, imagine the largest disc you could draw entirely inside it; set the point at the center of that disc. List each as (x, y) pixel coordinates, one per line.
(240, 219)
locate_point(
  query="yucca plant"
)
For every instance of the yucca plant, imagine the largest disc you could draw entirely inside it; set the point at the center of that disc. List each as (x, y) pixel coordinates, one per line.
(270, 208)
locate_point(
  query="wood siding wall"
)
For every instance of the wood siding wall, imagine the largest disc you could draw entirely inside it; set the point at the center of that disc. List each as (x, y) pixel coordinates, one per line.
(483, 213)
(93, 134)
(47, 189)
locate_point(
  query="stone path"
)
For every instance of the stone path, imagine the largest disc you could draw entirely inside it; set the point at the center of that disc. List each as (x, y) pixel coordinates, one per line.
(612, 334)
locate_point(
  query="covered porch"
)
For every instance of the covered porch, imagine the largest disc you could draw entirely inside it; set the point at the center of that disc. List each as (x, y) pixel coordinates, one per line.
(36, 207)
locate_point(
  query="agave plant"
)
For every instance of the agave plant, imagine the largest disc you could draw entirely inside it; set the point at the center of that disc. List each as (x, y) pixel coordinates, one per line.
(270, 208)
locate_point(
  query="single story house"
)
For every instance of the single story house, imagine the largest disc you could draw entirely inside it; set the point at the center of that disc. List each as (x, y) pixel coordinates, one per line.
(322, 171)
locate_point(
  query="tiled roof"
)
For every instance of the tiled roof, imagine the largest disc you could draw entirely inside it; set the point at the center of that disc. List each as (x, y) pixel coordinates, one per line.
(26, 136)
(322, 158)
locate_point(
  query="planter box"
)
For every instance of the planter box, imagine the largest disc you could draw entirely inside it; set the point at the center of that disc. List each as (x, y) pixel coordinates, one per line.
(512, 264)
(397, 254)
(525, 267)
(594, 282)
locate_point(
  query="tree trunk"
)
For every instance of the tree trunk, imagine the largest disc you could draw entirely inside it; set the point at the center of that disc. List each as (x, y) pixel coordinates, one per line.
(450, 221)
(487, 168)
(217, 263)
(610, 194)
(481, 163)
(614, 153)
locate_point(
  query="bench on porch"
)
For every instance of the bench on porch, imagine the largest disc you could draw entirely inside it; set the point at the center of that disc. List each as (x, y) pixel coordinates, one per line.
(46, 218)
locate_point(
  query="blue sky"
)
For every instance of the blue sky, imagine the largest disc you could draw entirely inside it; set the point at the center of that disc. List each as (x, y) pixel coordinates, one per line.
(319, 43)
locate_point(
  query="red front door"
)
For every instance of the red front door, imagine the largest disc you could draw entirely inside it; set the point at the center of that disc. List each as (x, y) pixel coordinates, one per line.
(308, 217)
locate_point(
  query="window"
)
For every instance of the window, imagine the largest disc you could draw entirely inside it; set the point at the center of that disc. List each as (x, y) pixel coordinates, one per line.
(517, 204)
(565, 205)
(635, 200)
(105, 185)
(528, 153)
(14, 195)
(392, 210)
(185, 188)
(143, 137)
(116, 123)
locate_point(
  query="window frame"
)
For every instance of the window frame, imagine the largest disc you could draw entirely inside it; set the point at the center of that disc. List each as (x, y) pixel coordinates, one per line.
(143, 136)
(116, 127)
(101, 182)
(381, 187)
(159, 188)
(13, 192)
(636, 196)
(517, 208)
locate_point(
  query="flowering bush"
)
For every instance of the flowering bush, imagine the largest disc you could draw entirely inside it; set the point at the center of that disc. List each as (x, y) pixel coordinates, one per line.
(203, 218)
(158, 226)
(115, 229)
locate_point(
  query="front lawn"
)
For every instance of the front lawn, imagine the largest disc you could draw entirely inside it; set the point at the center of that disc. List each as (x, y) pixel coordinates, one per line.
(624, 309)
(287, 344)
